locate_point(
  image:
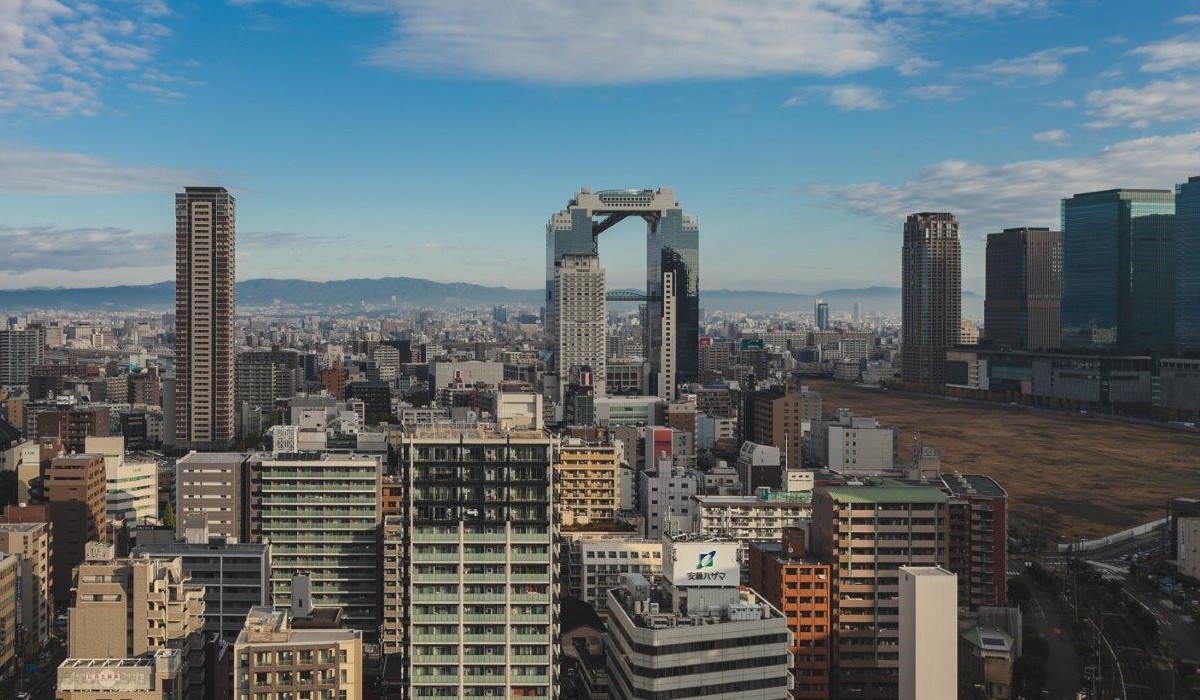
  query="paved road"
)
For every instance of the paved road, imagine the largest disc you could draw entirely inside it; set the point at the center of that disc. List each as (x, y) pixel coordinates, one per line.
(1062, 667)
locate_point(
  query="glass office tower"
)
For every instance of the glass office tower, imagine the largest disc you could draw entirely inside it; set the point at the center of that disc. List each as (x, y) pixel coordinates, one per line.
(1118, 272)
(1187, 266)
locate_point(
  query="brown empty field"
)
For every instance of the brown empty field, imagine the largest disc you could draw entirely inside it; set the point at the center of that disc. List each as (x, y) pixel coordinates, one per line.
(1081, 475)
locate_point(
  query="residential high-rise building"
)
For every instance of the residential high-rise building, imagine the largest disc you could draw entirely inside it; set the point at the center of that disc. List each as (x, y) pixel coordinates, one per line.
(1023, 299)
(31, 542)
(131, 608)
(696, 634)
(10, 613)
(1187, 265)
(478, 592)
(672, 323)
(866, 533)
(580, 321)
(854, 444)
(1118, 271)
(587, 481)
(321, 515)
(74, 487)
(821, 314)
(235, 576)
(931, 279)
(780, 417)
(928, 633)
(978, 546)
(799, 585)
(20, 350)
(204, 313)
(209, 489)
(281, 655)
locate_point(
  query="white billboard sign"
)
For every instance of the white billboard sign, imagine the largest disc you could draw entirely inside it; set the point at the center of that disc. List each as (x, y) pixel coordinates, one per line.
(690, 564)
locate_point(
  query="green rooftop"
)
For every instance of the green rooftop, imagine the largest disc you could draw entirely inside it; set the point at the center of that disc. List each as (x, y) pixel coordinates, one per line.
(886, 491)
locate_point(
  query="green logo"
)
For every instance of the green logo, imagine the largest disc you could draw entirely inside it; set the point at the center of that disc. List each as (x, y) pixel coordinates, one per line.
(706, 560)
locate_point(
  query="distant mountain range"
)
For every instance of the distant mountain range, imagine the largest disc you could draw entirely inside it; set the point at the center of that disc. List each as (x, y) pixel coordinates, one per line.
(410, 292)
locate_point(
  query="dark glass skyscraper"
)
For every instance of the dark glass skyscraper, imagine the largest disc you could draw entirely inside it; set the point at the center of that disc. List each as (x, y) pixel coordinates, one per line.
(1024, 289)
(672, 271)
(1187, 266)
(1118, 273)
(931, 281)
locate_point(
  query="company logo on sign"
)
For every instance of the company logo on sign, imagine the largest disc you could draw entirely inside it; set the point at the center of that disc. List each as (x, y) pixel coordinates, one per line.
(706, 560)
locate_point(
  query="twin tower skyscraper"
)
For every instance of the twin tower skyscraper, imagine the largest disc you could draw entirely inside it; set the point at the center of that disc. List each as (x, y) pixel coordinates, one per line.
(672, 320)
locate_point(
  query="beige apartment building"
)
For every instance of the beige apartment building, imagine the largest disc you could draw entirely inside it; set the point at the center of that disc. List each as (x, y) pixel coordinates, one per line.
(280, 657)
(588, 484)
(30, 542)
(10, 574)
(131, 608)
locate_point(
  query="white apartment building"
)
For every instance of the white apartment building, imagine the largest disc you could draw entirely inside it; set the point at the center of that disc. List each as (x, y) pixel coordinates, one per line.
(854, 444)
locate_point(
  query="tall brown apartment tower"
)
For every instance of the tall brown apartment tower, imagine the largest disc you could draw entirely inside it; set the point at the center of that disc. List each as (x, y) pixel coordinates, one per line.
(204, 303)
(75, 490)
(932, 295)
(1023, 305)
(866, 533)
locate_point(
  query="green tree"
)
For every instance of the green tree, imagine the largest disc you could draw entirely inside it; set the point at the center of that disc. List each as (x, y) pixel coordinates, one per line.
(169, 515)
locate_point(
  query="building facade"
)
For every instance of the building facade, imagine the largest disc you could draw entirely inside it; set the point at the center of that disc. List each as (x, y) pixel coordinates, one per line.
(931, 281)
(209, 488)
(281, 657)
(696, 634)
(1023, 299)
(580, 320)
(588, 484)
(204, 314)
(30, 542)
(20, 351)
(320, 513)
(928, 633)
(74, 488)
(799, 585)
(478, 592)
(1187, 265)
(866, 533)
(1118, 271)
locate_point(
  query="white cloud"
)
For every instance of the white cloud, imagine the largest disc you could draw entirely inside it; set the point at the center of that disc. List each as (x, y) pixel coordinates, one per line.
(55, 56)
(1024, 193)
(28, 170)
(548, 41)
(847, 98)
(1060, 104)
(1057, 137)
(49, 247)
(854, 98)
(1040, 66)
(613, 42)
(916, 66)
(1169, 55)
(1161, 101)
(1187, 19)
(948, 93)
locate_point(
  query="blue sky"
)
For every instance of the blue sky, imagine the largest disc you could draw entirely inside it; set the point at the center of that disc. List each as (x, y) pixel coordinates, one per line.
(433, 138)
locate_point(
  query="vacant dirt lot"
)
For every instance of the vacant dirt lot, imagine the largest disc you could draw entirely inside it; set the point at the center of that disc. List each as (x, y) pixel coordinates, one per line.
(1082, 476)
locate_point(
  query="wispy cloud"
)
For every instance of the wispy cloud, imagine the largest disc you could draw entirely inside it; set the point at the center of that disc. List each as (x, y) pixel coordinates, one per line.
(28, 170)
(48, 247)
(847, 98)
(949, 93)
(915, 66)
(1060, 104)
(1161, 101)
(1040, 66)
(55, 57)
(1187, 19)
(1169, 55)
(988, 197)
(564, 43)
(1058, 137)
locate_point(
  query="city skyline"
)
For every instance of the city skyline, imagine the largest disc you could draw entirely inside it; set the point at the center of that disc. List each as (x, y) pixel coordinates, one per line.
(828, 128)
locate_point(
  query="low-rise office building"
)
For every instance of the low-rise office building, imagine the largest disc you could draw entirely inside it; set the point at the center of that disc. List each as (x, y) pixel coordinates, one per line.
(697, 634)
